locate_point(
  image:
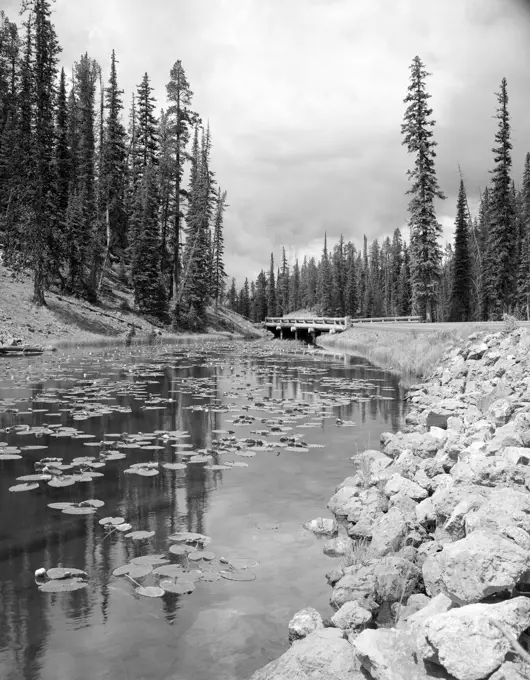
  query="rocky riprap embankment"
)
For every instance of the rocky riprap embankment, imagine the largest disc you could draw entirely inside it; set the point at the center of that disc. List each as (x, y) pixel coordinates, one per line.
(435, 529)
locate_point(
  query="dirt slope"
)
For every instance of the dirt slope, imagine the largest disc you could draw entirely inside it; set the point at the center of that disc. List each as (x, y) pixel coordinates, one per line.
(67, 319)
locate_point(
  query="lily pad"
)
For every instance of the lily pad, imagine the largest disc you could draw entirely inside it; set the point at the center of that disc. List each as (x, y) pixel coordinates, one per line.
(63, 585)
(64, 572)
(140, 535)
(237, 575)
(201, 555)
(150, 559)
(93, 503)
(210, 576)
(59, 482)
(169, 570)
(59, 506)
(10, 456)
(190, 537)
(193, 575)
(27, 486)
(140, 570)
(123, 527)
(111, 520)
(177, 587)
(33, 478)
(174, 466)
(79, 510)
(150, 591)
(180, 549)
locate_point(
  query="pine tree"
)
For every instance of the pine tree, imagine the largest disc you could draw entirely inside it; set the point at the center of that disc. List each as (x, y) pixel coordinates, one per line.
(179, 95)
(271, 297)
(404, 288)
(146, 136)
(501, 238)
(326, 282)
(294, 288)
(460, 305)
(424, 228)
(261, 297)
(339, 278)
(149, 294)
(232, 296)
(351, 295)
(218, 270)
(523, 279)
(283, 286)
(114, 178)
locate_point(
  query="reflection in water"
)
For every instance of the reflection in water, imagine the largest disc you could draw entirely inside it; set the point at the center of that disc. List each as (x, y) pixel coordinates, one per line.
(224, 629)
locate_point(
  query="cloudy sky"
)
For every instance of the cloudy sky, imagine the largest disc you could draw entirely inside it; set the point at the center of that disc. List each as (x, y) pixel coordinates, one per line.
(305, 101)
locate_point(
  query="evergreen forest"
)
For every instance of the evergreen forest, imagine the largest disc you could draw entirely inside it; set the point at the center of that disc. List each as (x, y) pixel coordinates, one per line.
(82, 192)
(483, 275)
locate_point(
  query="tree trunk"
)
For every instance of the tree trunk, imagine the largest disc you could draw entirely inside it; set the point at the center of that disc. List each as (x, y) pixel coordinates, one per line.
(428, 311)
(105, 255)
(38, 283)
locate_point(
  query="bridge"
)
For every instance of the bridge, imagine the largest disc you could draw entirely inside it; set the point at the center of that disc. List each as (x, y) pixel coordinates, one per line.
(310, 327)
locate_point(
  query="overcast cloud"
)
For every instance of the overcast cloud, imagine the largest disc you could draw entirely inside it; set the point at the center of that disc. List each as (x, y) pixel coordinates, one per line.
(305, 101)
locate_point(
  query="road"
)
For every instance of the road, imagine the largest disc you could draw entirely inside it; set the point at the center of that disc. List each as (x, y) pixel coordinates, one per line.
(472, 326)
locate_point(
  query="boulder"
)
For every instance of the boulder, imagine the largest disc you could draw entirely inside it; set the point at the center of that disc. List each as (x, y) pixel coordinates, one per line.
(322, 655)
(303, 623)
(512, 670)
(369, 501)
(516, 455)
(400, 485)
(500, 411)
(476, 351)
(395, 579)
(389, 532)
(415, 602)
(337, 547)
(466, 641)
(475, 567)
(351, 616)
(344, 501)
(504, 507)
(437, 605)
(390, 654)
(357, 585)
(322, 526)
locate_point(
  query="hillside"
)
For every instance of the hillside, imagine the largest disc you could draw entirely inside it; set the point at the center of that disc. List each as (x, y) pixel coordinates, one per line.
(68, 320)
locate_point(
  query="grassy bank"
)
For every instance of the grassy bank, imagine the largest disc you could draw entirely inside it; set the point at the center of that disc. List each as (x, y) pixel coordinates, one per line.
(67, 321)
(413, 354)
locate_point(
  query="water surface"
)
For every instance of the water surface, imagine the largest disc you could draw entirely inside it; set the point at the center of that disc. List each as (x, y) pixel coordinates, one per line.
(224, 629)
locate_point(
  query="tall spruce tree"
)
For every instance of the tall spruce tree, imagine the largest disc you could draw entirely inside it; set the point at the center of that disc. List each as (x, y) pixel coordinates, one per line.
(326, 282)
(425, 231)
(218, 268)
(523, 279)
(271, 291)
(501, 242)
(460, 305)
(181, 117)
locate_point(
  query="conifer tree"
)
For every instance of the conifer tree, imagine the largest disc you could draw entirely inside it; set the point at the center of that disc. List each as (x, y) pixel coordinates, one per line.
(351, 300)
(425, 231)
(232, 296)
(326, 282)
(460, 305)
(180, 96)
(271, 294)
(294, 288)
(501, 245)
(261, 297)
(218, 269)
(523, 279)
(149, 294)
(339, 277)
(283, 286)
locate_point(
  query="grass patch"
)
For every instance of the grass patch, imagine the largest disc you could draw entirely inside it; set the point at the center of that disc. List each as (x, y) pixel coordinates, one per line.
(412, 354)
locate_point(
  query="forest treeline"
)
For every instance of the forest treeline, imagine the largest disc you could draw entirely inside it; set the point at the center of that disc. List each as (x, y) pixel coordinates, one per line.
(81, 191)
(484, 274)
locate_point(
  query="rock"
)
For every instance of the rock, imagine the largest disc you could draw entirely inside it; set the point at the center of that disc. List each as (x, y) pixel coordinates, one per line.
(477, 351)
(395, 579)
(303, 623)
(369, 501)
(351, 615)
(466, 642)
(389, 532)
(500, 411)
(507, 435)
(358, 585)
(437, 605)
(504, 507)
(437, 418)
(344, 501)
(334, 575)
(390, 654)
(475, 567)
(322, 526)
(399, 485)
(516, 455)
(404, 504)
(512, 670)
(337, 547)
(426, 512)
(415, 602)
(322, 655)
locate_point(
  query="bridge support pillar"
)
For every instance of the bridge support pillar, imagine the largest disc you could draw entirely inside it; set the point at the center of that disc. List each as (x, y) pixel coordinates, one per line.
(281, 334)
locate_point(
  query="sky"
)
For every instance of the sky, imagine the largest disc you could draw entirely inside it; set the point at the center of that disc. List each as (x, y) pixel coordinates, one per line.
(305, 102)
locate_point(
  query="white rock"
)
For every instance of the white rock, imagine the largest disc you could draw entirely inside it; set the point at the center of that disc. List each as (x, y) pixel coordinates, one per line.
(303, 623)
(475, 567)
(322, 526)
(466, 642)
(351, 615)
(399, 485)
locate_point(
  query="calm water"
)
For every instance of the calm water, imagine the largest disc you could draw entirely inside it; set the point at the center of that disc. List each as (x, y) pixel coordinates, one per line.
(225, 629)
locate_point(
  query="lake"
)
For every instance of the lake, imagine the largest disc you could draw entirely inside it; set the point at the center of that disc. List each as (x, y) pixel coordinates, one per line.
(258, 438)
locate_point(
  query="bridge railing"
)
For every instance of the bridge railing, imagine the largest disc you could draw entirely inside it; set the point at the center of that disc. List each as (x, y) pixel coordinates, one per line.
(388, 319)
(312, 320)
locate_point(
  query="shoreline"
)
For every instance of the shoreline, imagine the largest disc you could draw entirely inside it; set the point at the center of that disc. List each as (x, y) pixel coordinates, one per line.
(433, 534)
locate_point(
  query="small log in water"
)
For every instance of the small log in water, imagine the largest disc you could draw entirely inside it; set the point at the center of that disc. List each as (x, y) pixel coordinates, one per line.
(20, 349)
